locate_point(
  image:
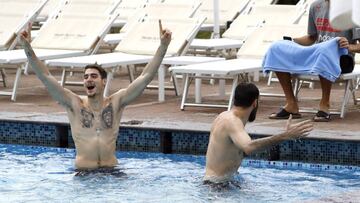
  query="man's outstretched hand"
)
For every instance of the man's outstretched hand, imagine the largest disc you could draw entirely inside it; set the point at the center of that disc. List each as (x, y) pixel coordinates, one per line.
(165, 35)
(298, 130)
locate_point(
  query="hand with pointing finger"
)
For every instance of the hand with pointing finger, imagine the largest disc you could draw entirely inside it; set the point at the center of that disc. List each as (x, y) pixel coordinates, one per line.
(165, 35)
(25, 35)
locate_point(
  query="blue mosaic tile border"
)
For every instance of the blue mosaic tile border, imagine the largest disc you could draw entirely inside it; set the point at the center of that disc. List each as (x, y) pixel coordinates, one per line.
(132, 140)
(28, 134)
(150, 140)
(189, 142)
(138, 140)
(297, 165)
(321, 151)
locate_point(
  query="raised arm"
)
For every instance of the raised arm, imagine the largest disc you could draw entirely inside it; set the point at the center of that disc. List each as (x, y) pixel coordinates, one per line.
(125, 96)
(243, 141)
(63, 96)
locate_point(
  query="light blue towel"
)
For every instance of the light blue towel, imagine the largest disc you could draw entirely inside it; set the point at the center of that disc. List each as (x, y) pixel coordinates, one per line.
(319, 59)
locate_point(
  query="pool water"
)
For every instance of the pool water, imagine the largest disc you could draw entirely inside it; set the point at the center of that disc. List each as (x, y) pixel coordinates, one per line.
(38, 174)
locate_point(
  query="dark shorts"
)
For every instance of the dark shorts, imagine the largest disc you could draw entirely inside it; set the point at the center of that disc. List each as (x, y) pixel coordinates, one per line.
(222, 185)
(100, 171)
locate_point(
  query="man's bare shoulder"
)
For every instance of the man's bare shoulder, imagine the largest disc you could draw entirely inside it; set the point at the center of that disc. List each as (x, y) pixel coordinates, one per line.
(228, 120)
(224, 126)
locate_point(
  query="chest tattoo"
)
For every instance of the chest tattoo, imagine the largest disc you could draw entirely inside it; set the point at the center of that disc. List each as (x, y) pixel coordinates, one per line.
(87, 118)
(107, 117)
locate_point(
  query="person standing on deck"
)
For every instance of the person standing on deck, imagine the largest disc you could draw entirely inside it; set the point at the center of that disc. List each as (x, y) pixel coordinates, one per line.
(95, 119)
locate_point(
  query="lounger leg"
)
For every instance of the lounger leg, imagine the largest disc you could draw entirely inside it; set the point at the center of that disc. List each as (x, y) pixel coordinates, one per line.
(269, 78)
(346, 99)
(131, 73)
(235, 82)
(221, 87)
(71, 72)
(197, 89)
(108, 83)
(352, 89)
(161, 80)
(297, 86)
(248, 77)
(185, 92)
(3, 76)
(26, 69)
(311, 85)
(176, 84)
(256, 76)
(63, 78)
(183, 81)
(212, 81)
(16, 83)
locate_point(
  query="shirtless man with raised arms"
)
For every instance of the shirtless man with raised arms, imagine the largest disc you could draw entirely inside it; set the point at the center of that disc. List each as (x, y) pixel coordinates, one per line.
(95, 119)
(229, 141)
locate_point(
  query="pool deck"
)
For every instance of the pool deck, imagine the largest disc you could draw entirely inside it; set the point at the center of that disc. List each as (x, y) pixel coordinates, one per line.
(34, 104)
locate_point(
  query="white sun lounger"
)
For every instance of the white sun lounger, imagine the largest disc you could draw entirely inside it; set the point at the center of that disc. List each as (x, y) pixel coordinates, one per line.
(229, 69)
(155, 11)
(12, 21)
(14, 16)
(61, 37)
(129, 8)
(138, 47)
(106, 7)
(188, 2)
(249, 61)
(349, 79)
(50, 7)
(244, 25)
(262, 2)
(228, 11)
(77, 7)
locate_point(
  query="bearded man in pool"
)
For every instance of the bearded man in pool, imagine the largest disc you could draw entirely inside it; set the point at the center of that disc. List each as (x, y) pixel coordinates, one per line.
(95, 119)
(229, 140)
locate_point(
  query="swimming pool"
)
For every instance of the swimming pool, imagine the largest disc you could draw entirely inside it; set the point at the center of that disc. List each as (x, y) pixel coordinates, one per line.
(39, 174)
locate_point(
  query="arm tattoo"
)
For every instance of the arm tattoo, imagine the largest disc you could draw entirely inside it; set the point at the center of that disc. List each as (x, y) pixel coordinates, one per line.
(107, 117)
(28, 53)
(86, 118)
(28, 50)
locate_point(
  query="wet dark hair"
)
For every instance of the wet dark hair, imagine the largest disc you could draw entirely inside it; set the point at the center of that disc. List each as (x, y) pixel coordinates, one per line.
(102, 72)
(245, 94)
